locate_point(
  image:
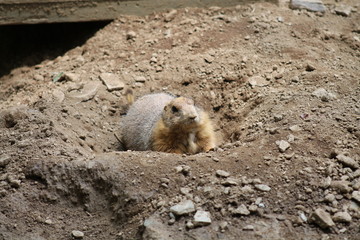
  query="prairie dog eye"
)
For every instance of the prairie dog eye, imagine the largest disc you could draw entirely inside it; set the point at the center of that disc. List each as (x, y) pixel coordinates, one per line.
(174, 109)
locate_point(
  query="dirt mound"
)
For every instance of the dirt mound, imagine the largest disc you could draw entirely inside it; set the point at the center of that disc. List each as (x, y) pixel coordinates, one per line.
(281, 85)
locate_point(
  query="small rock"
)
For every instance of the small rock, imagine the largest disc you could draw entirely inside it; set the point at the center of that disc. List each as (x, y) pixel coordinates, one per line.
(202, 218)
(278, 117)
(185, 191)
(38, 77)
(77, 234)
(4, 160)
(323, 94)
(241, 210)
(248, 228)
(258, 81)
(341, 186)
(310, 5)
(209, 59)
(170, 16)
(155, 229)
(347, 161)
(58, 95)
(283, 145)
(309, 67)
(230, 182)
(183, 208)
(343, 10)
(13, 182)
(356, 196)
(303, 217)
(223, 226)
(342, 217)
(253, 208)
(295, 128)
(190, 225)
(48, 221)
(262, 187)
(141, 79)
(73, 77)
(247, 189)
(112, 81)
(222, 173)
(130, 35)
(322, 218)
(87, 93)
(329, 198)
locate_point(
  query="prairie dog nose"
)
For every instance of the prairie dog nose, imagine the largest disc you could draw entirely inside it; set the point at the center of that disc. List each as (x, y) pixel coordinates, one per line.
(192, 117)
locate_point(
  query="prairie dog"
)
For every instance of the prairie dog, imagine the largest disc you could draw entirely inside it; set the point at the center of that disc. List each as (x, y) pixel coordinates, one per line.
(161, 122)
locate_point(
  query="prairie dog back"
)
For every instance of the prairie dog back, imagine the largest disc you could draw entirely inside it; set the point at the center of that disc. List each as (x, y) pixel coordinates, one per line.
(138, 124)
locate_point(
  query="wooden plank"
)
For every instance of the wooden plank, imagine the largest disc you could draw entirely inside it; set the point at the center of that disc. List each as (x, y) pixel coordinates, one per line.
(51, 11)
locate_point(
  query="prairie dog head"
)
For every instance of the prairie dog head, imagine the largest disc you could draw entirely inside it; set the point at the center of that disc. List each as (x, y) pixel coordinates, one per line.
(180, 111)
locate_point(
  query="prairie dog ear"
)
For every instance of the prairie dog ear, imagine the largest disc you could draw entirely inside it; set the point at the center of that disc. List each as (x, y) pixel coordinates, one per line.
(166, 106)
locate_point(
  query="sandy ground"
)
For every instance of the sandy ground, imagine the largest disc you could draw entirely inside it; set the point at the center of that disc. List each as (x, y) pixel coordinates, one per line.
(280, 85)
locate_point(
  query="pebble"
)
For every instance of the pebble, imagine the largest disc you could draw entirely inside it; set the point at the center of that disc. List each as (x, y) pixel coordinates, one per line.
(248, 228)
(38, 77)
(356, 196)
(295, 128)
(170, 15)
(329, 198)
(130, 35)
(303, 217)
(88, 92)
(58, 95)
(342, 217)
(73, 77)
(262, 187)
(202, 218)
(223, 226)
(183, 208)
(13, 182)
(258, 81)
(77, 234)
(190, 225)
(222, 173)
(347, 161)
(112, 81)
(322, 218)
(241, 210)
(230, 182)
(341, 186)
(343, 10)
(309, 67)
(141, 79)
(310, 5)
(209, 59)
(283, 145)
(48, 221)
(4, 160)
(324, 95)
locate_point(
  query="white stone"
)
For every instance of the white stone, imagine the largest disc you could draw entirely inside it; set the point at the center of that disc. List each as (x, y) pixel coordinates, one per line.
(202, 218)
(262, 187)
(283, 145)
(112, 81)
(222, 173)
(183, 208)
(77, 234)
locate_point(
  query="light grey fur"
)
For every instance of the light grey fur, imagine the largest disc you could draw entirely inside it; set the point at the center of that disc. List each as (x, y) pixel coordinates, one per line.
(140, 120)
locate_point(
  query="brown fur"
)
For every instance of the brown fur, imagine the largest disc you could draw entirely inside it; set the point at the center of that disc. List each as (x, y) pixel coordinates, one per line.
(183, 137)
